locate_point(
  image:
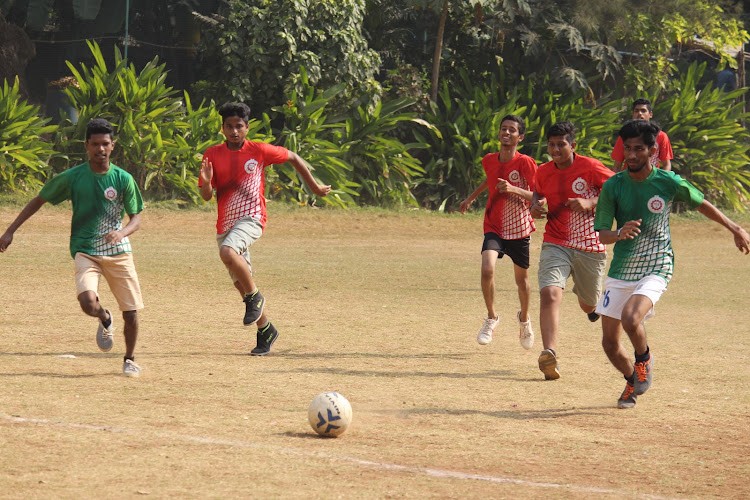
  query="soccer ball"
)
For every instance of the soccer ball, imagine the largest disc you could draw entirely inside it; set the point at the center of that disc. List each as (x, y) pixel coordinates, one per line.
(329, 414)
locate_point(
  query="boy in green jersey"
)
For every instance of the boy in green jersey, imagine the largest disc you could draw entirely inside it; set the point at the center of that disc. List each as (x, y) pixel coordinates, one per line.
(100, 193)
(639, 199)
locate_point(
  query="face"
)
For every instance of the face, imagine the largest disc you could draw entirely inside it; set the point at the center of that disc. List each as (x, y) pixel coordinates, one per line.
(641, 112)
(99, 148)
(509, 133)
(561, 150)
(637, 154)
(234, 129)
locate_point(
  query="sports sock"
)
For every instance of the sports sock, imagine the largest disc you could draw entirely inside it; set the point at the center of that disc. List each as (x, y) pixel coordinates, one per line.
(125, 358)
(108, 323)
(264, 327)
(640, 358)
(631, 379)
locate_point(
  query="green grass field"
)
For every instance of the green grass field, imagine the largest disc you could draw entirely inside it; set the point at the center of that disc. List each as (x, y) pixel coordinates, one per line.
(383, 307)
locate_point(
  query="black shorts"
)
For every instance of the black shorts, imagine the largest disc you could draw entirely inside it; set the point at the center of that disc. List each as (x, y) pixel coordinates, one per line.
(517, 250)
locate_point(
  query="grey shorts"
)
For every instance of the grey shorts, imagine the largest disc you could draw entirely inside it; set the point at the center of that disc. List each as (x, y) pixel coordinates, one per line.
(557, 264)
(240, 238)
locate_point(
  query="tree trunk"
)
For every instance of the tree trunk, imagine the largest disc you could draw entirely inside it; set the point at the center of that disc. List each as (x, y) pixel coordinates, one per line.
(438, 51)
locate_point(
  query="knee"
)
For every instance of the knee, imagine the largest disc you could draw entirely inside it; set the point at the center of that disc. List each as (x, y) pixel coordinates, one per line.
(89, 303)
(226, 254)
(130, 317)
(547, 295)
(610, 346)
(630, 323)
(488, 272)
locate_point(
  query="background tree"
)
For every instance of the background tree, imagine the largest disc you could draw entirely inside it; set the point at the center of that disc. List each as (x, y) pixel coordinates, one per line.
(258, 47)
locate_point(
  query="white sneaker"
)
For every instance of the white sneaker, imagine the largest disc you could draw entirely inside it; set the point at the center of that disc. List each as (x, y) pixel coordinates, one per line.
(105, 336)
(525, 333)
(484, 336)
(131, 369)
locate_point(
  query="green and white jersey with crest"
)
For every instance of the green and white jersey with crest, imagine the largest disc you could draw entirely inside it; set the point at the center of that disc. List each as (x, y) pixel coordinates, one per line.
(99, 203)
(622, 199)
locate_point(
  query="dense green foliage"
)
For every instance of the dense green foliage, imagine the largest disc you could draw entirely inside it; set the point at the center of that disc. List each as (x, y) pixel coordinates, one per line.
(158, 134)
(258, 47)
(24, 154)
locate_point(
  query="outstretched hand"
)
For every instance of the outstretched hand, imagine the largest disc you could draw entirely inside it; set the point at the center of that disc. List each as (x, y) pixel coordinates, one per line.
(321, 189)
(741, 240)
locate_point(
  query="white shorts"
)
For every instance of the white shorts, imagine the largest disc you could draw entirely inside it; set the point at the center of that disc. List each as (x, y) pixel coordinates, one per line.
(240, 238)
(618, 292)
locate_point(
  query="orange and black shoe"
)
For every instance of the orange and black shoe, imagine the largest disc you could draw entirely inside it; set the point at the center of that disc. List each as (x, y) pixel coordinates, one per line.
(643, 375)
(627, 398)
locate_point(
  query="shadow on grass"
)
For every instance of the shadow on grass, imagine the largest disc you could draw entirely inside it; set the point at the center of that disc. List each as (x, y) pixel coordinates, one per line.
(493, 374)
(546, 414)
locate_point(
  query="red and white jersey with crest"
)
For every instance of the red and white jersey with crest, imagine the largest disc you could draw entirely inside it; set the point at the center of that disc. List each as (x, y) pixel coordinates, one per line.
(507, 215)
(584, 178)
(239, 179)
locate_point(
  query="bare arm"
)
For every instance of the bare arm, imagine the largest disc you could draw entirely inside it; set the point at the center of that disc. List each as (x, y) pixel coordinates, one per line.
(582, 204)
(741, 238)
(303, 169)
(538, 207)
(628, 231)
(206, 175)
(506, 187)
(666, 164)
(30, 209)
(473, 196)
(133, 225)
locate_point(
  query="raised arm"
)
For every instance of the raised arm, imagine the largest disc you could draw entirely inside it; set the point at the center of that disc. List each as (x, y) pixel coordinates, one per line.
(741, 238)
(30, 209)
(303, 169)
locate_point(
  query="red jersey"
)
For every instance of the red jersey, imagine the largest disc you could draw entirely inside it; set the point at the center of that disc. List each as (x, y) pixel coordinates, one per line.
(507, 215)
(663, 150)
(582, 179)
(239, 179)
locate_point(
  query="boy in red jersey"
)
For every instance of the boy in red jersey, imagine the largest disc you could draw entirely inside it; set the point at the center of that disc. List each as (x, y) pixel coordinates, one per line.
(662, 155)
(567, 191)
(236, 169)
(507, 224)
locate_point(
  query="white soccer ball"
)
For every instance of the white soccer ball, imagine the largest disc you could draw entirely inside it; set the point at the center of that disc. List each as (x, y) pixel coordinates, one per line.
(329, 414)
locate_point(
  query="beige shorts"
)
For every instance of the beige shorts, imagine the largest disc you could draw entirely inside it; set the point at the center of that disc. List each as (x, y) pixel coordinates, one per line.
(240, 238)
(118, 270)
(558, 263)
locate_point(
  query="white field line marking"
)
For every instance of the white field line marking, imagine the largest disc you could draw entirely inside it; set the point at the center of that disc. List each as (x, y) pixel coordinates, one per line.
(426, 471)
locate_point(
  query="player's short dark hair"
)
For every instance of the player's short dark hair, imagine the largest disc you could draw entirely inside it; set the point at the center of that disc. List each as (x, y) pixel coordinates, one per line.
(642, 102)
(239, 109)
(566, 129)
(515, 118)
(99, 126)
(640, 128)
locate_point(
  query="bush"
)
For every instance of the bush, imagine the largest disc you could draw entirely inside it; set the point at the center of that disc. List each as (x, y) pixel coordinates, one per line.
(24, 152)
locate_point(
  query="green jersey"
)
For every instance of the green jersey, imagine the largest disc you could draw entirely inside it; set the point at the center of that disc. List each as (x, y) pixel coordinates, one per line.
(623, 199)
(99, 203)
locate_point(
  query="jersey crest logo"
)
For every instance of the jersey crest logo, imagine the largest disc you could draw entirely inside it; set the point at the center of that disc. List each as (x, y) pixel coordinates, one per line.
(656, 205)
(250, 165)
(514, 177)
(110, 193)
(580, 186)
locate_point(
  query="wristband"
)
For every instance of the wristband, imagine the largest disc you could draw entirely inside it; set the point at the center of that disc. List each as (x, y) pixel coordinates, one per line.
(618, 233)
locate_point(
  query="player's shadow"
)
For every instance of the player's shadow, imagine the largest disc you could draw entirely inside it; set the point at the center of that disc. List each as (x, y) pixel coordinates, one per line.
(304, 435)
(493, 374)
(54, 375)
(545, 414)
(377, 355)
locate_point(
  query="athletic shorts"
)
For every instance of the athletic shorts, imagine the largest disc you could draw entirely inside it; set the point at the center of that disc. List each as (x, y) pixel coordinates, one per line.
(118, 270)
(240, 238)
(558, 263)
(618, 292)
(517, 250)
